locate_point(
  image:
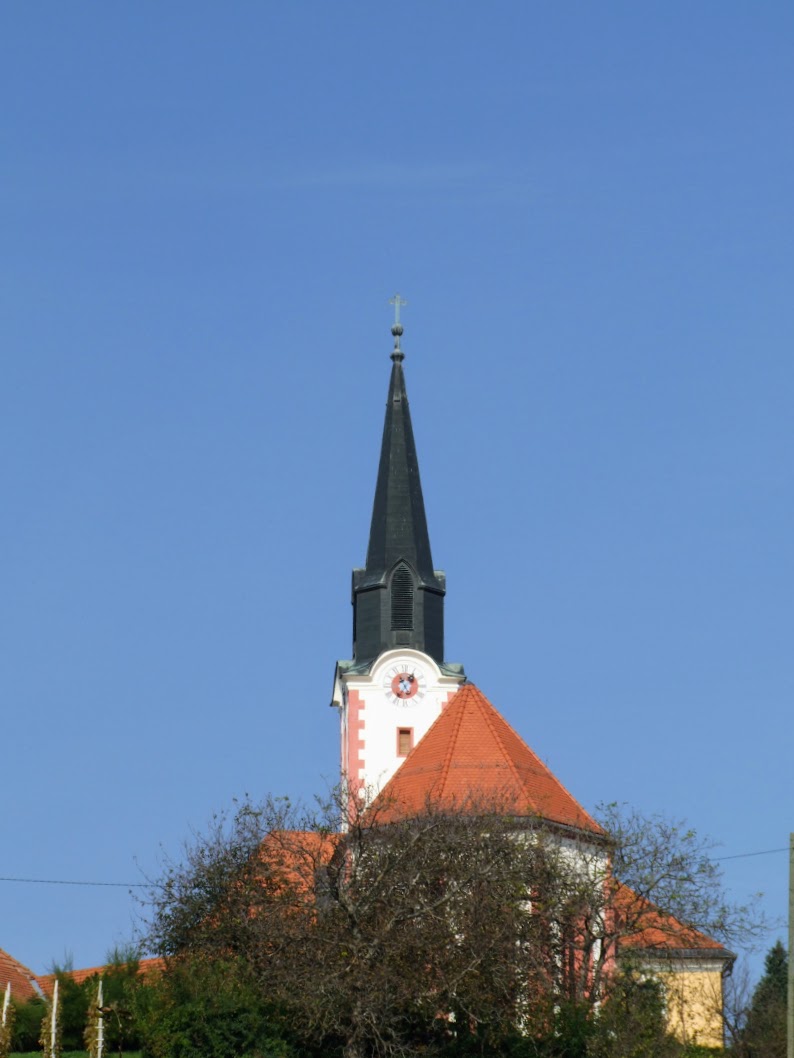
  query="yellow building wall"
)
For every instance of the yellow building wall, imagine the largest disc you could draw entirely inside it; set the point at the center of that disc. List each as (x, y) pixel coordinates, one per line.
(694, 1005)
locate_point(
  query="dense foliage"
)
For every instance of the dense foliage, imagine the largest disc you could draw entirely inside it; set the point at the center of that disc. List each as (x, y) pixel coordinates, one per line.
(450, 933)
(27, 1025)
(203, 1007)
(764, 1034)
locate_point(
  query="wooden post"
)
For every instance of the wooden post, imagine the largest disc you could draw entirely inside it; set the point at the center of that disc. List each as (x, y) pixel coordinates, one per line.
(100, 1038)
(790, 1004)
(54, 1022)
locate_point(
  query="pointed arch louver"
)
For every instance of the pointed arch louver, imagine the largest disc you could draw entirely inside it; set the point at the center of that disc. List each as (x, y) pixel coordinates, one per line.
(402, 599)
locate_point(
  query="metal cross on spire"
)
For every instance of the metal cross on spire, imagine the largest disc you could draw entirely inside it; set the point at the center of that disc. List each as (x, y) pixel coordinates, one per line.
(397, 327)
(398, 302)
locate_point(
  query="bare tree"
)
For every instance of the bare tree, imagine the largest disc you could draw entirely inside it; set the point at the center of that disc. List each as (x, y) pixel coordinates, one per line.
(669, 867)
(736, 1005)
(396, 937)
(385, 936)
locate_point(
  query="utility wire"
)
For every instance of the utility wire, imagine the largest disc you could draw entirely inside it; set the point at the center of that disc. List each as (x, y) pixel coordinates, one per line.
(146, 885)
(743, 855)
(62, 881)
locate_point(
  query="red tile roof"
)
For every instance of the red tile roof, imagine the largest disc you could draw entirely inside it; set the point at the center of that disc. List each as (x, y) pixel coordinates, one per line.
(654, 930)
(472, 755)
(145, 967)
(295, 855)
(22, 980)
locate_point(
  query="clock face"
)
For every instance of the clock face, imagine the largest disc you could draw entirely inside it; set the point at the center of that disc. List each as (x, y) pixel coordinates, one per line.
(404, 683)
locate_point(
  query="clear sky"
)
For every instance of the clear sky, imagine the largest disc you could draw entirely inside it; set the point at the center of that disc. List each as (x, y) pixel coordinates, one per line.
(205, 208)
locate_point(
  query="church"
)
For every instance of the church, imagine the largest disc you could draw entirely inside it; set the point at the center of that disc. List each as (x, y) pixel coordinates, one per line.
(414, 730)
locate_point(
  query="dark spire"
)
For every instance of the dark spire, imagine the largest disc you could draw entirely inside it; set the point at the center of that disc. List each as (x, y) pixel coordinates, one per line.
(398, 598)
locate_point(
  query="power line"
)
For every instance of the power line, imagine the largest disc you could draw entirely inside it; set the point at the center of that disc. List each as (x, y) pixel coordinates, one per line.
(63, 881)
(743, 855)
(146, 885)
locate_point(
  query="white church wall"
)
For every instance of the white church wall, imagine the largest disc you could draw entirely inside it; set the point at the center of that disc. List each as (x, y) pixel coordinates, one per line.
(373, 710)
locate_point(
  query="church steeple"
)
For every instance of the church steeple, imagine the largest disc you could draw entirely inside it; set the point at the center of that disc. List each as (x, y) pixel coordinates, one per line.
(398, 598)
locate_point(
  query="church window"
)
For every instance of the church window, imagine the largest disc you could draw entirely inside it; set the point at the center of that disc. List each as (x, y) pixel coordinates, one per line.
(405, 741)
(402, 600)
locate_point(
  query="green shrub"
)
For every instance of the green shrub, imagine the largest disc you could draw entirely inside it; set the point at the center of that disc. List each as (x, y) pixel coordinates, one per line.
(27, 1025)
(198, 1008)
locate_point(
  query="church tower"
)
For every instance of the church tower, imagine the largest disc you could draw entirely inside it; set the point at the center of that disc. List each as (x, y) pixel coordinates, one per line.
(397, 682)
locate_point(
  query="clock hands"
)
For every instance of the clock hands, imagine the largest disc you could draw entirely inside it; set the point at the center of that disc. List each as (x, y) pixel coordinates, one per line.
(404, 683)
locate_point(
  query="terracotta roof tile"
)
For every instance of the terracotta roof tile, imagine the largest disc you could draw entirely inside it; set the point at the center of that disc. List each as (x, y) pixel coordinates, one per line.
(21, 979)
(297, 854)
(471, 753)
(145, 967)
(654, 930)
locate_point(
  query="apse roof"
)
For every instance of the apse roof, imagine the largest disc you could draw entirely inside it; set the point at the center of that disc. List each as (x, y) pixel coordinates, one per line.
(472, 756)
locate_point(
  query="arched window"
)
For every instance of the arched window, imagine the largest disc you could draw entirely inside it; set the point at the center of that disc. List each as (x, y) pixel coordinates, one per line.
(402, 599)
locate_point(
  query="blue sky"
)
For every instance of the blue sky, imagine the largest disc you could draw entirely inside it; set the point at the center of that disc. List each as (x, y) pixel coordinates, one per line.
(205, 208)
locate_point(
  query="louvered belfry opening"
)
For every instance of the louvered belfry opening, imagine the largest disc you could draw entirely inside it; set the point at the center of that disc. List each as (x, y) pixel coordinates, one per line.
(402, 599)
